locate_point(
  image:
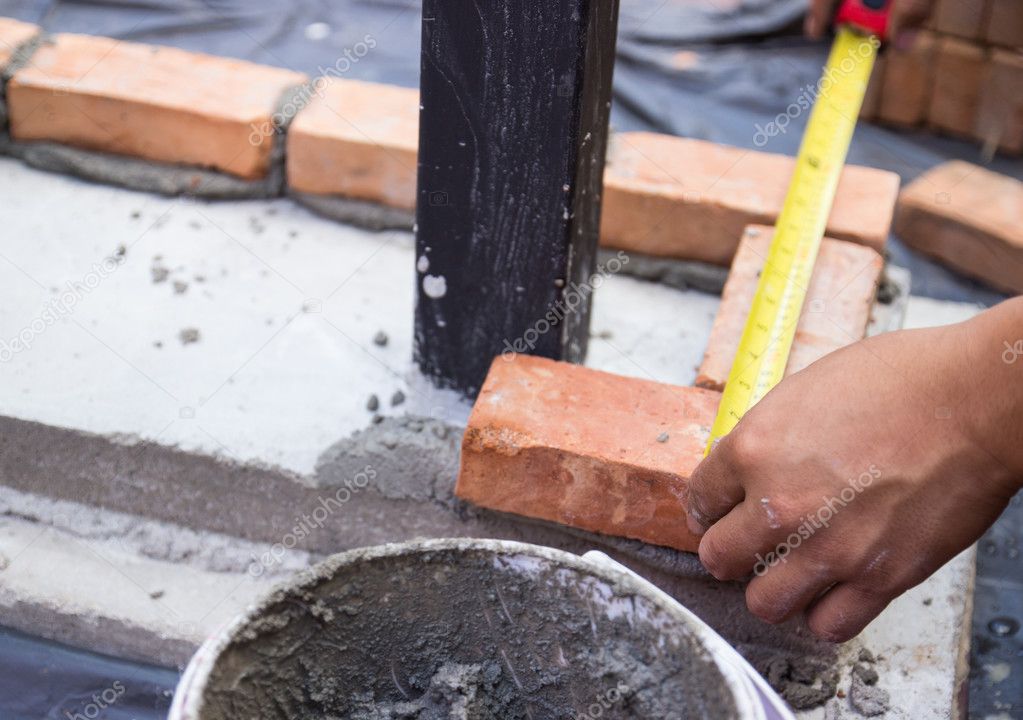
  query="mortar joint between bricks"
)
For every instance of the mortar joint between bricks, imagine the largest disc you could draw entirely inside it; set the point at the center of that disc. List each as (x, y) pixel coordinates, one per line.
(296, 96)
(20, 58)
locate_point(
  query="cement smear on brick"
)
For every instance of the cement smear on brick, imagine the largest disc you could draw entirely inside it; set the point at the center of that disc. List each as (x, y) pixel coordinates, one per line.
(448, 630)
(363, 213)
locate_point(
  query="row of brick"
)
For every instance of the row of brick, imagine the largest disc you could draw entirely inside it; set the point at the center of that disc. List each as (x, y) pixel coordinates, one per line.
(358, 140)
(954, 86)
(991, 22)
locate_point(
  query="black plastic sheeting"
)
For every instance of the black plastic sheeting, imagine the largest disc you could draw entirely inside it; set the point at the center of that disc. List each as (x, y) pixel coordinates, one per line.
(46, 681)
(711, 69)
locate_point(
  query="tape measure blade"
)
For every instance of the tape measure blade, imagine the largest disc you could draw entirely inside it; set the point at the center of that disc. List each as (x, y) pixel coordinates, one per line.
(763, 352)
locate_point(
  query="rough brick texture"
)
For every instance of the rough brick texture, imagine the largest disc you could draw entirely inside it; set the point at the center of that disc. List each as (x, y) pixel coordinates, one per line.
(157, 103)
(835, 314)
(359, 140)
(1005, 23)
(580, 447)
(909, 75)
(690, 199)
(1000, 114)
(959, 75)
(969, 218)
(12, 34)
(963, 18)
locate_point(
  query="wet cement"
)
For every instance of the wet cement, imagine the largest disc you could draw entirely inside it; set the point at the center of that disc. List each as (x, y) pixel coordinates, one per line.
(443, 631)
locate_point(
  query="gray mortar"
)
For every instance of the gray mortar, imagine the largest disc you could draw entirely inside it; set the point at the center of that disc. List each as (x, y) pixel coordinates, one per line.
(462, 630)
(366, 214)
(19, 59)
(679, 274)
(161, 178)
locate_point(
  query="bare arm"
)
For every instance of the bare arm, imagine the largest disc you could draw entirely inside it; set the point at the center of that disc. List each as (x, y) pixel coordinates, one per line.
(855, 479)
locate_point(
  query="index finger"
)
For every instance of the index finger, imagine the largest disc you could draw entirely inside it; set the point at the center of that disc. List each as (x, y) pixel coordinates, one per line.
(713, 490)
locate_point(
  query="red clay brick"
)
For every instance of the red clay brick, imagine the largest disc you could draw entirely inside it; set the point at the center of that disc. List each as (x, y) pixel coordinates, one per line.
(12, 34)
(909, 76)
(691, 199)
(959, 74)
(835, 314)
(359, 140)
(580, 447)
(156, 103)
(1000, 115)
(1005, 23)
(969, 218)
(963, 18)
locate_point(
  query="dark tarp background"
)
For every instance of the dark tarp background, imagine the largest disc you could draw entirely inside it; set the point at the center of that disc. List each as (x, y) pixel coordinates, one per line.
(711, 69)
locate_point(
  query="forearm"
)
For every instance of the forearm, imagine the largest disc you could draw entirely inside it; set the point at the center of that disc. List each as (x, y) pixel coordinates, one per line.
(993, 354)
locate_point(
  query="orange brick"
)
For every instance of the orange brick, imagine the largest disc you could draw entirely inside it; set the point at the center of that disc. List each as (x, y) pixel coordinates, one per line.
(12, 34)
(909, 76)
(156, 103)
(1000, 115)
(959, 75)
(963, 18)
(970, 219)
(357, 139)
(691, 199)
(1005, 23)
(835, 313)
(580, 447)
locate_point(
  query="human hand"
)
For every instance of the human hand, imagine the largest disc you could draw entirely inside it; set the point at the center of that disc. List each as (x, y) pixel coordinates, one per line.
(855, 479)
(905, 15)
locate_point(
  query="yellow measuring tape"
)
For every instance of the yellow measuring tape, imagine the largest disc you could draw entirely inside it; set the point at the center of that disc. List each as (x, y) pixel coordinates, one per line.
(763, 352)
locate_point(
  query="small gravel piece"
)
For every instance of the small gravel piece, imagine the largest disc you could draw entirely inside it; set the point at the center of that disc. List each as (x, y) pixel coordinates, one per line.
(663, 437)
(189, 336)
(380, 338)
(398, 398)
(180, 287)
(373, 404)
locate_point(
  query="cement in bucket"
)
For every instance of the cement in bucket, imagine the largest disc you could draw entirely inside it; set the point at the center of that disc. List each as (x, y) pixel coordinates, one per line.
(460, 630)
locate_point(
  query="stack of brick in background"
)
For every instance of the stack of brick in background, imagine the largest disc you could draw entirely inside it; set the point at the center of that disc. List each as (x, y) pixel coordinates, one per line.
(961, 77)
(347, 142)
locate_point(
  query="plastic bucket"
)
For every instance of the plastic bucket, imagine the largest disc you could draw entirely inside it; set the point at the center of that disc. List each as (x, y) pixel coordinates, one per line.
(465, 629)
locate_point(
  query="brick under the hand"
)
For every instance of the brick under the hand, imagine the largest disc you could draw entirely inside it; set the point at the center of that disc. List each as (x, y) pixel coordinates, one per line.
(835, 313)
(157, 103)
(584, 448)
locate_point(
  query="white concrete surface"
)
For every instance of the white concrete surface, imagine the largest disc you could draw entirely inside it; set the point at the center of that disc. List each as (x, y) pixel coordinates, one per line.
(286, 304)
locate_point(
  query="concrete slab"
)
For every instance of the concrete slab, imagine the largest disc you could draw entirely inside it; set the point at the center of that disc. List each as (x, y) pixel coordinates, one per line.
(201, 388)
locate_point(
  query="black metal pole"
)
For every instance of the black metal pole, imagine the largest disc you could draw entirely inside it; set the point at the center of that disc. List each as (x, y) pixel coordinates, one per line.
(513, 131)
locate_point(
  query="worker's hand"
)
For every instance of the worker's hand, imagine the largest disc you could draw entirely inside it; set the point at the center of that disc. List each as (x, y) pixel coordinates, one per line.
(905, 15)
(857, 478)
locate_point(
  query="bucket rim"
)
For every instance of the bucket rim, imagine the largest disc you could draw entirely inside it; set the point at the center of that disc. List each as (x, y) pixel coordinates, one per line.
(188, 696)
